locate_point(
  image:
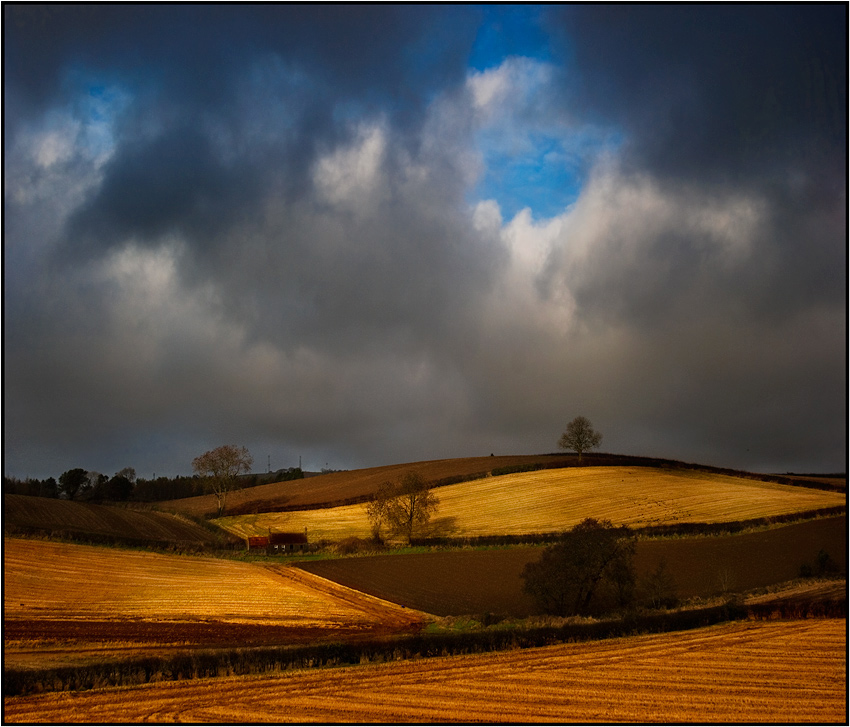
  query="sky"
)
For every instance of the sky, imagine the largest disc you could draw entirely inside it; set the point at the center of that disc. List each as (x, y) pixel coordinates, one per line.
(351, 236)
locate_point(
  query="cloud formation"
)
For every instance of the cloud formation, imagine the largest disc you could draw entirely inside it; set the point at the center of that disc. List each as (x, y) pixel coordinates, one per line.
(304, 230)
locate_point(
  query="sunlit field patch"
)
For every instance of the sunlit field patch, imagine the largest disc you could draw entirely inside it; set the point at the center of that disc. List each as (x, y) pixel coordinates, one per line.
(741, 672)
(70, 604)
(48, 579)
(554, 500)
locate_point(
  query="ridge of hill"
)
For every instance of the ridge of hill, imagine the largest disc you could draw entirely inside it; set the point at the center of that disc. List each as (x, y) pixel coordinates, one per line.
(24, 514)
(350, 487)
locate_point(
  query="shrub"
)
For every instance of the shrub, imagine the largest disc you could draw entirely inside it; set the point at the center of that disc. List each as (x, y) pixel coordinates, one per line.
(589, 571)
(825, 564)
(350, 546)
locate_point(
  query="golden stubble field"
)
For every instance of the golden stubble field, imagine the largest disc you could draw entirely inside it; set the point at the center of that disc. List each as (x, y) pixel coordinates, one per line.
(557, 499)
(69, 604)
(786, 672)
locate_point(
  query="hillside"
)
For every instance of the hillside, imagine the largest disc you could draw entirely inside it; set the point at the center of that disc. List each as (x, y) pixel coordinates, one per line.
(101, 523)
(338, 488)
(354, 486)
(65, 603)
(556, 499)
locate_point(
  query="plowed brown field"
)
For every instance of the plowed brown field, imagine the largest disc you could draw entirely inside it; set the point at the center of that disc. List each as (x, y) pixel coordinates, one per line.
(68, 604)
(481, 581)
(47, 514)
(743, 672)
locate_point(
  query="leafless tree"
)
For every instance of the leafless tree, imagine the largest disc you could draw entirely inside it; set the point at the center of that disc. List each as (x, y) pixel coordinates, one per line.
(402, 507)
(220, 468)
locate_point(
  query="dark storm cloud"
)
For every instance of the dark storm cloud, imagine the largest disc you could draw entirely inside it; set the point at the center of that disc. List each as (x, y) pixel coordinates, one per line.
(171, 183)
(215, 153)
(719, 92)
(189, 65)
(194, 55)
(256, 224)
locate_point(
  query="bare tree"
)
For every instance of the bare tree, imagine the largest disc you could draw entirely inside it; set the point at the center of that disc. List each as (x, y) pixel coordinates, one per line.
(220, 468)
(376, 509)
(580, 436)
(128, 472)
(402, 507)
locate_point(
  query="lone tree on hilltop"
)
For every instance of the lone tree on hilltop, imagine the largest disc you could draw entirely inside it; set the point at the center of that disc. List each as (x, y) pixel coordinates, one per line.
(580, 436)
(402, 507)
(220, 468)
(590, 569)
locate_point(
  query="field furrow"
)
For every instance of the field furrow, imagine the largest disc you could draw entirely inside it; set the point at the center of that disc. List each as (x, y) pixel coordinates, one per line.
(725, 673)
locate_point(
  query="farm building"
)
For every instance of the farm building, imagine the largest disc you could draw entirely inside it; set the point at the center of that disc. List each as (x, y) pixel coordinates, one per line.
(287, 543)
(257, 542)
(279, 543)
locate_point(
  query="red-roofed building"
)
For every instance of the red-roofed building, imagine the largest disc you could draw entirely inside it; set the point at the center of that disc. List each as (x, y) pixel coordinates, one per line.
(257, 542)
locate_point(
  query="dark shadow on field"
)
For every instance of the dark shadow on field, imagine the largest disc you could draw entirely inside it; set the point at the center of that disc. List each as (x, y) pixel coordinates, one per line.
(440, 527)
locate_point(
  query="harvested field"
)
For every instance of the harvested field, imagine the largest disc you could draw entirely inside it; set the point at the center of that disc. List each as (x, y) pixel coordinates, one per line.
(488, 581)
(65, 603)
(557, 499)
(793, 671)
(551, 500)
(41, 514)
(351, 486)
(337, 487)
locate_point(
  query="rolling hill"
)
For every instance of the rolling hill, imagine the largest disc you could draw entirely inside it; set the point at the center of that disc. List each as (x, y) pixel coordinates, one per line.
(552, 500)
(67, 603)
(339, 488)
(354, 486)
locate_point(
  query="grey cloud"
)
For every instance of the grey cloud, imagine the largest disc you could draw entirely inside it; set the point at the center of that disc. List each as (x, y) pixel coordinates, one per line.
(171, 184)
(214, 286)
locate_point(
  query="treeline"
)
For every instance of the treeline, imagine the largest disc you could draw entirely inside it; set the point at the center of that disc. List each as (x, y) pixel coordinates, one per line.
(87, 486)
(258, 660)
